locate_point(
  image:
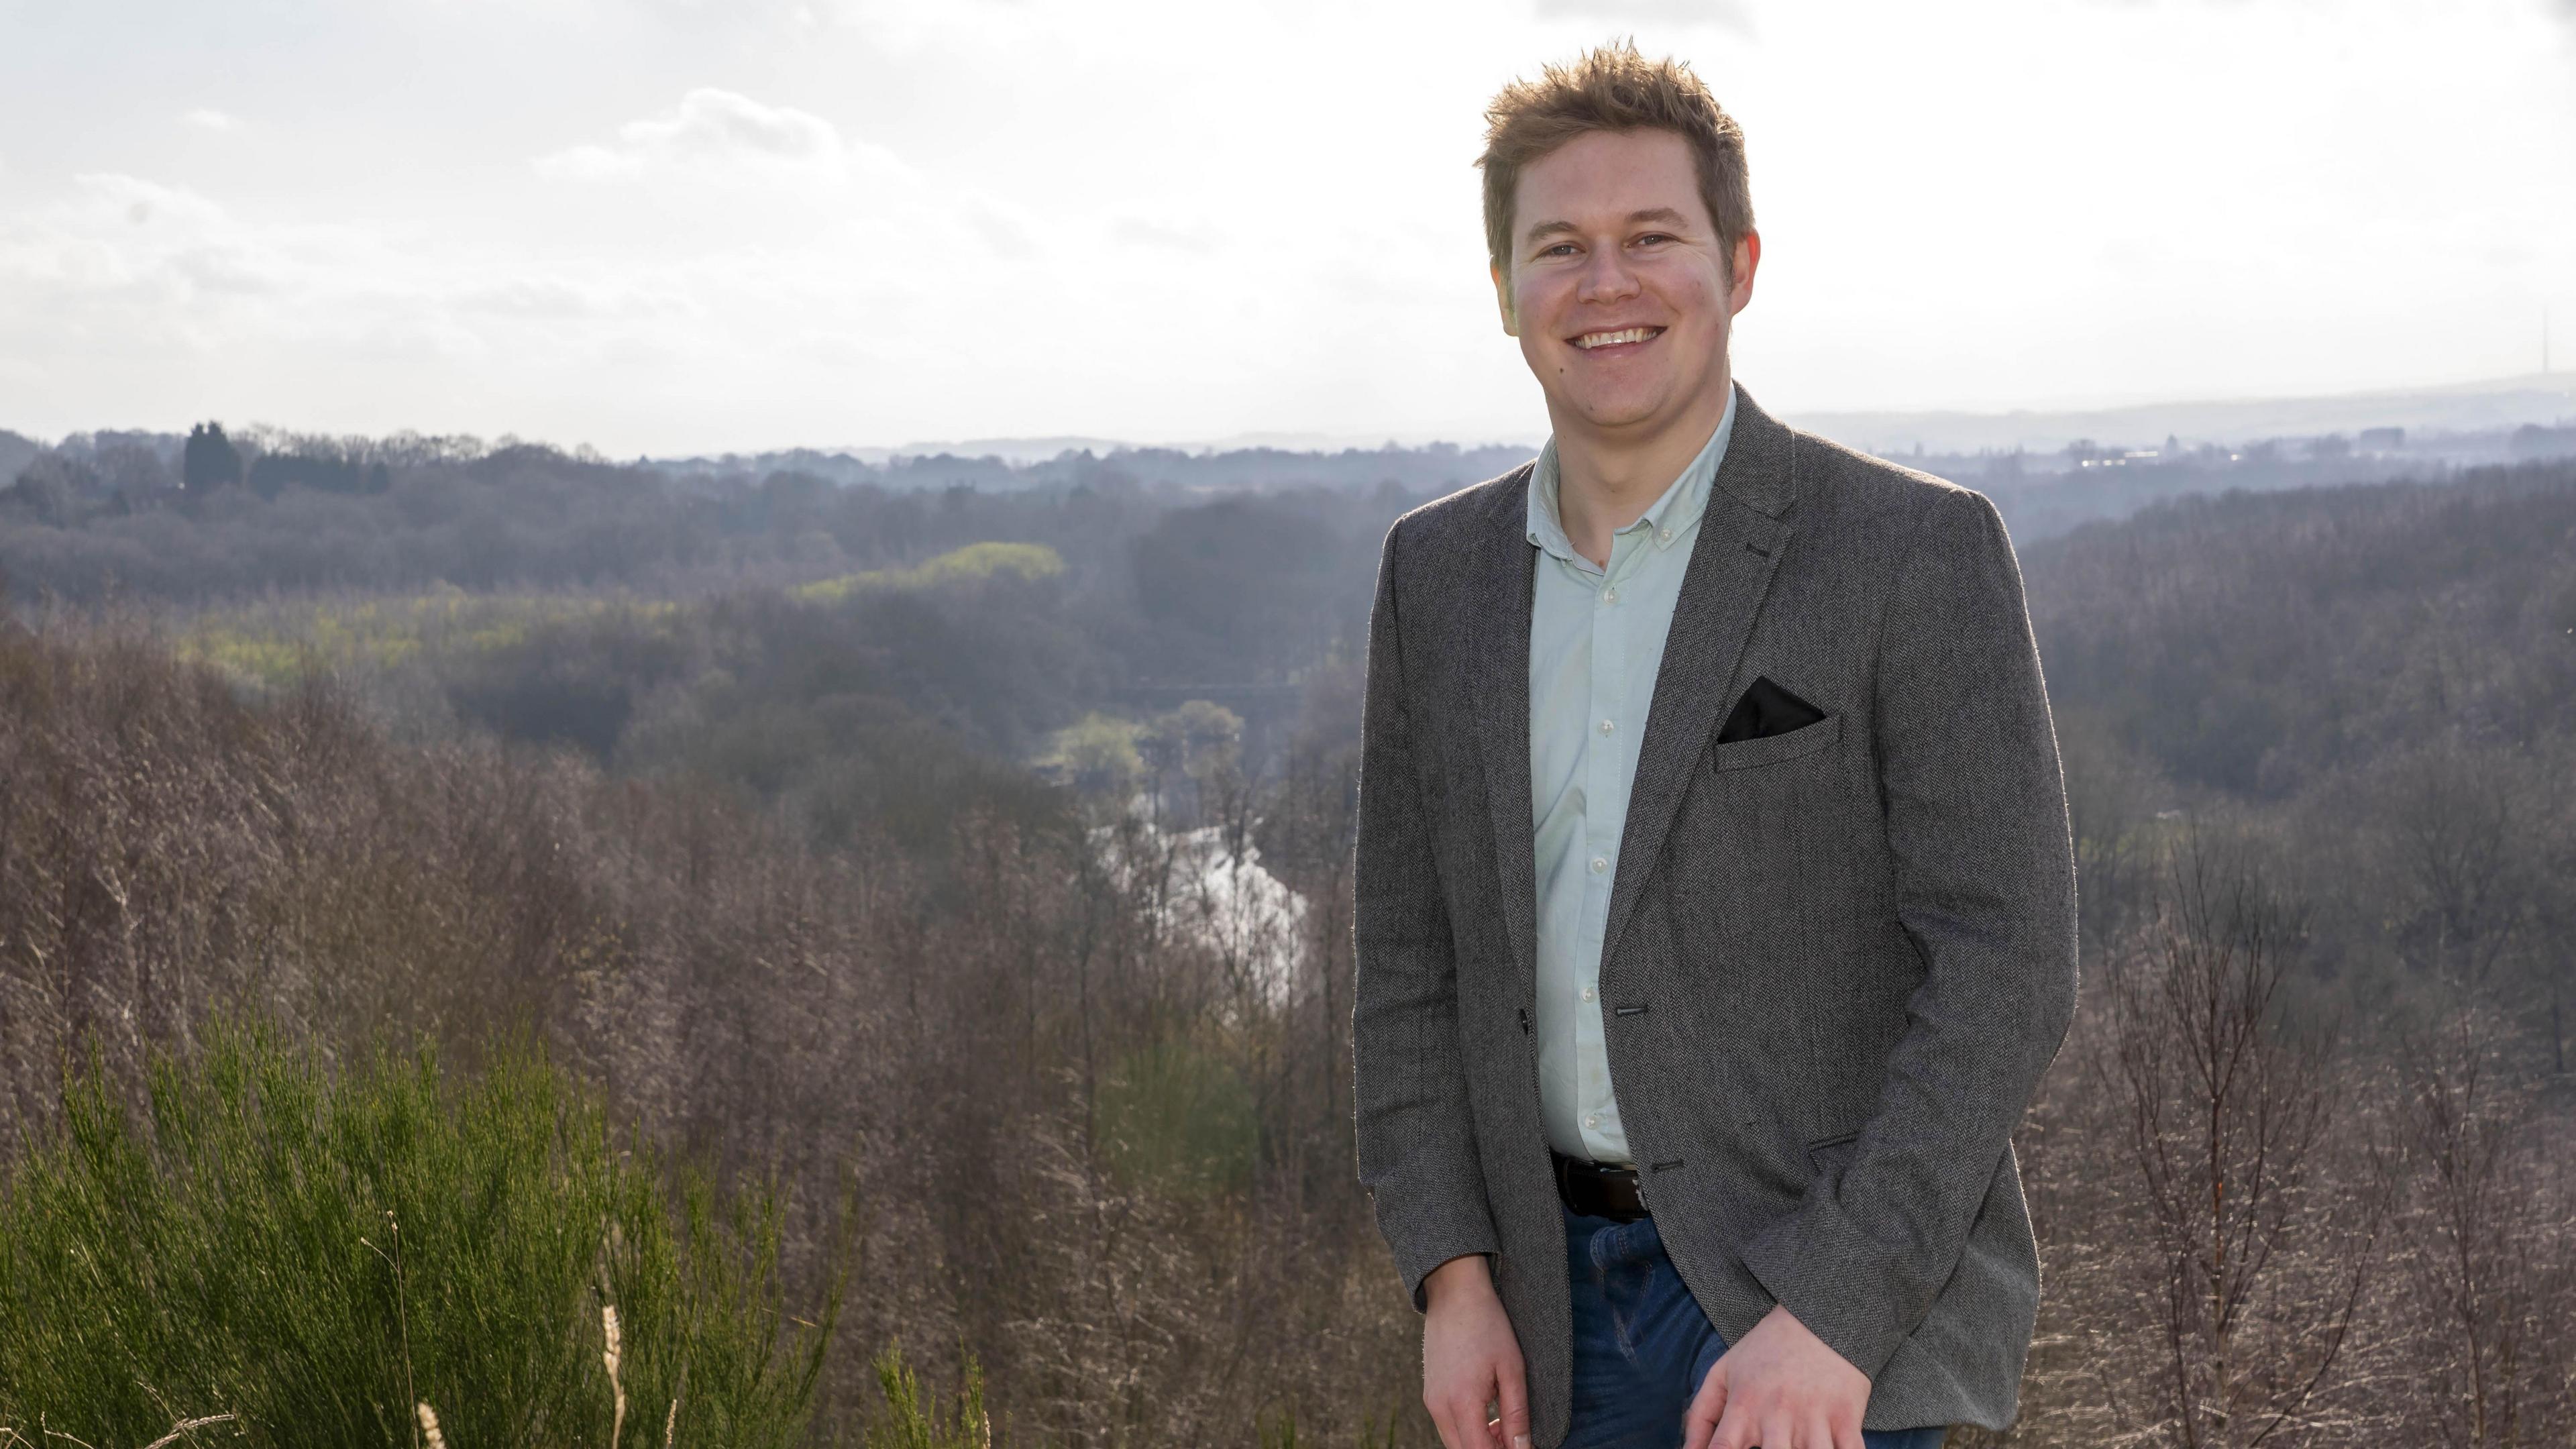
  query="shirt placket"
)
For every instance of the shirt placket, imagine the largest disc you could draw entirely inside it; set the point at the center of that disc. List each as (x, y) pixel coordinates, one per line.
(1602, 782)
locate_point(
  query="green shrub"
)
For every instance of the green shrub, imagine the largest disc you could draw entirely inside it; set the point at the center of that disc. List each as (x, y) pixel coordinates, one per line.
(909, 1423)
(319, 1255)
(1178, 1117)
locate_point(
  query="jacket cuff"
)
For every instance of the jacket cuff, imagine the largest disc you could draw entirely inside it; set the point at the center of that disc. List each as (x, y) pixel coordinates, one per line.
(1416, 1264)
(1837, 1280)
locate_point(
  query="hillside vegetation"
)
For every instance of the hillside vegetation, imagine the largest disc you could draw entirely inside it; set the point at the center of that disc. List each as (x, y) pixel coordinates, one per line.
(776, 874)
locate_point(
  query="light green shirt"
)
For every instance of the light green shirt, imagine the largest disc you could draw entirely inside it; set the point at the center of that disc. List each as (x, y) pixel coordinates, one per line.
(1596, 640)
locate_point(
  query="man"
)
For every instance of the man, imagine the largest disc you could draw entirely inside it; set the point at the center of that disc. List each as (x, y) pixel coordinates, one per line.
(1716, 901)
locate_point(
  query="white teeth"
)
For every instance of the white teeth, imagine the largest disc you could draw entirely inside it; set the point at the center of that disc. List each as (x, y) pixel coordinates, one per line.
(1590, 340)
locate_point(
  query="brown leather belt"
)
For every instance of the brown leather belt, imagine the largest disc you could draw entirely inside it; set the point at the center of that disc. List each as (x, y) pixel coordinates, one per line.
(1597, 1191)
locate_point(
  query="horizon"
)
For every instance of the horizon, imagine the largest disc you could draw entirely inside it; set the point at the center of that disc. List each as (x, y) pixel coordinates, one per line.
(1024, 450)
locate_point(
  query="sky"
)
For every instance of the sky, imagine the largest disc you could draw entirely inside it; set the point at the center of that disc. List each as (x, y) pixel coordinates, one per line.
(684, 226)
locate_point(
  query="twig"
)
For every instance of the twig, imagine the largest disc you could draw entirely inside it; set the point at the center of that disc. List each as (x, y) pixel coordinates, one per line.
(185, 1427)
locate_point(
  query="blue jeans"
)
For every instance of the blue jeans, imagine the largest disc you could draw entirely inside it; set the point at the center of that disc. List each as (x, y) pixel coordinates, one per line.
(1642, 1346)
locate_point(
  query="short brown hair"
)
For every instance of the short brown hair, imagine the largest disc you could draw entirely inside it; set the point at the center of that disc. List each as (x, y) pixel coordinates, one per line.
(1612, 88)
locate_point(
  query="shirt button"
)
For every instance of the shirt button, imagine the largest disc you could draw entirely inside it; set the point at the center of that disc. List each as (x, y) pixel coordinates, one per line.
(1610, 595)
(1600, 863)
(1606, 727)
(1663, 535)
(1587, 993)
(1591, 1119)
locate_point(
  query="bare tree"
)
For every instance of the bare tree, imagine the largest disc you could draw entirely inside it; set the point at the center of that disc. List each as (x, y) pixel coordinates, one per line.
(2478, 1240)
(2257, 1266)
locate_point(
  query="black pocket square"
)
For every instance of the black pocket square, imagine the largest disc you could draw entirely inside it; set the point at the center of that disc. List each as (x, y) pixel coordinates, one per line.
(1766, 709)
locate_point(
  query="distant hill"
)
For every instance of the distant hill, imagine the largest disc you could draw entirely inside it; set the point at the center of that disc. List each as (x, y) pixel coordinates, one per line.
(2474, 407)
(16, 452)
(2495, 405)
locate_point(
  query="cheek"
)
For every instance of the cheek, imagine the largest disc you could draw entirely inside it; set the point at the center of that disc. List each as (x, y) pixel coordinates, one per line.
(1696, 294)
(1533, 302)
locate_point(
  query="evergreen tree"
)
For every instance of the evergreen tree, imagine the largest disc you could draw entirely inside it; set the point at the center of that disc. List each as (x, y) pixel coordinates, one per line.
(210, 460)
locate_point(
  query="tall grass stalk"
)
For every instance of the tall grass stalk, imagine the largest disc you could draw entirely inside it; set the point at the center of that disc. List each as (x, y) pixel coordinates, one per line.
(910, 1424)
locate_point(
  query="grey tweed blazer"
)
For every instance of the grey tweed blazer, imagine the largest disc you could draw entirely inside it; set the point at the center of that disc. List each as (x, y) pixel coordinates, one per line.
(1837, 959)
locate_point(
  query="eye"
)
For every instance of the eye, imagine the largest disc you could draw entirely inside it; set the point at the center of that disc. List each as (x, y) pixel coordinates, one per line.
(1653, 236)
(1559, 247)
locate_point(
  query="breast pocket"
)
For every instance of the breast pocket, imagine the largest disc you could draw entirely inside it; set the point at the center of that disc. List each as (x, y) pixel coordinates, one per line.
(1761, 851)
(1772, 749)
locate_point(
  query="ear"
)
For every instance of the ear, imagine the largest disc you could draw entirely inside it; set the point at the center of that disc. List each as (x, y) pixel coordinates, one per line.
(1748, 255)
(1503, 299)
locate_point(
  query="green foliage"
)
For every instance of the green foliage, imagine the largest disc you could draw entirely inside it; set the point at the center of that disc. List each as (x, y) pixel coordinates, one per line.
(274, 645)
(976, 561)
(317, 1255)
(1098, 754)
(909, 1425)
(1179, 1117)
(1202, 738)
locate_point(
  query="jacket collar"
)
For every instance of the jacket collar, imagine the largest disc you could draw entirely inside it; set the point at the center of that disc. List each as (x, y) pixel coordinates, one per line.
(1674, 511)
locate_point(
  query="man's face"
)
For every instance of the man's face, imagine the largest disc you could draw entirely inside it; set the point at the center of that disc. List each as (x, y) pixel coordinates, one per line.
(1618, 288)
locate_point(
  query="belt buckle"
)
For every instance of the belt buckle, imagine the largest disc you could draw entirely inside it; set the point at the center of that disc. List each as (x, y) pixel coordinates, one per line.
(1585, 1187)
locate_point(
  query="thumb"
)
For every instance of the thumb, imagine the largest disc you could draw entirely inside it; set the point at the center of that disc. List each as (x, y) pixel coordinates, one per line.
(1513, 1386)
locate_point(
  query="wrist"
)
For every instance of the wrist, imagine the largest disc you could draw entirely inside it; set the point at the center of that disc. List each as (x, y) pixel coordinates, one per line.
(1464, 1277)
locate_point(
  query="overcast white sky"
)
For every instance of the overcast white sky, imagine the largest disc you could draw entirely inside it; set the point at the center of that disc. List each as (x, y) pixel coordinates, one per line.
(658, 225)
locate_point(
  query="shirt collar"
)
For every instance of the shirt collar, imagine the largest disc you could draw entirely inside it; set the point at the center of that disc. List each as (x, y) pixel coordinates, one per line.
(1669, 516)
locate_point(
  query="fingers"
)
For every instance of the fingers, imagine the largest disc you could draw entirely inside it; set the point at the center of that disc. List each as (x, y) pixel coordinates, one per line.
(1734, 1429)
(1847, 1435)
(1776, 1430)
(1514, 1425)
(1463, 1423)
(1707, 1407)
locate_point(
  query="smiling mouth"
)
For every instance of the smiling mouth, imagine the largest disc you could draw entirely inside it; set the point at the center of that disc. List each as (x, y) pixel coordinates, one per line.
(1624, 337)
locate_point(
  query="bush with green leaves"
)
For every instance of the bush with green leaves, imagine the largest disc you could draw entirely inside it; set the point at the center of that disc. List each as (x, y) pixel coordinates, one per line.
(315, 1254)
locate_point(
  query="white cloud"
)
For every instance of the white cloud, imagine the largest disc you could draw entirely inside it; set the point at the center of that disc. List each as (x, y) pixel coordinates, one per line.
(1196, 238)
(1005, 226)
(207, 118)
(721, 136)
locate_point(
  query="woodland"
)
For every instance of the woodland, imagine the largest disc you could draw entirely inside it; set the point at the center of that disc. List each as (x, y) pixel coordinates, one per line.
(918, 921)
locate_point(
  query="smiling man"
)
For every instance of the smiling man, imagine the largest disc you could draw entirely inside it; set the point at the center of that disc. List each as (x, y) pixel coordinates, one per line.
(1716, 899)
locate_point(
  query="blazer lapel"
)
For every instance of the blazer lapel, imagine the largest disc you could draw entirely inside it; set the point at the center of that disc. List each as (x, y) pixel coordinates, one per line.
(1741, 540)
(1499, 623)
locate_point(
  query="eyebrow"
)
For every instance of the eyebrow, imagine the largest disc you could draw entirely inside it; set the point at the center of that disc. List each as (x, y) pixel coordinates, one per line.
(1664, 214)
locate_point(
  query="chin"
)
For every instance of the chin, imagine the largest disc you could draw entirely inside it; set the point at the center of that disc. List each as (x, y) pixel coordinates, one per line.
(1620, 412)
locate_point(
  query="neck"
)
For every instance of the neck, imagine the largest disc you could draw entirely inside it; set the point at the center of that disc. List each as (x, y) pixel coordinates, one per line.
(1607, 478)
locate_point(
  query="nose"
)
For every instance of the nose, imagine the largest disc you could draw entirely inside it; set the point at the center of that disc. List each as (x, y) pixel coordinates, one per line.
(1606, 277)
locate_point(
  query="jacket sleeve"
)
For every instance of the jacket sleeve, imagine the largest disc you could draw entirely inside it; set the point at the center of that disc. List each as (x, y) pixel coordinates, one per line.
(1984, 875)
(1416, 1137)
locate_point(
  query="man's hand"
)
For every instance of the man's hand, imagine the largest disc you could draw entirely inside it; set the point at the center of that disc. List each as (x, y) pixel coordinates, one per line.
(1471, 1357)
(1779, 1388)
